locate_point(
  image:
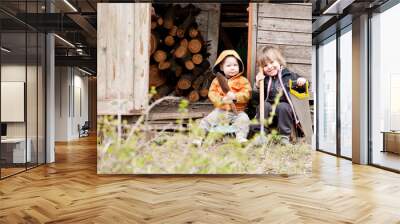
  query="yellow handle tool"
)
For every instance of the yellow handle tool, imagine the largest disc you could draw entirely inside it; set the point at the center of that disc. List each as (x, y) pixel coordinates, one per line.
(293, 90)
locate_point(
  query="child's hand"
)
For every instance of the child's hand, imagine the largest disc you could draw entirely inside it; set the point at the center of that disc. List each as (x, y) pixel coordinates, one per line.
(301, 81)
(226, 100)
(260, 76)
(229, 98)
(231, 95)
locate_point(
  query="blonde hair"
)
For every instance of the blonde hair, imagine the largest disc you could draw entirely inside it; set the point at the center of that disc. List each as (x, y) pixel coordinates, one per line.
(270, 54)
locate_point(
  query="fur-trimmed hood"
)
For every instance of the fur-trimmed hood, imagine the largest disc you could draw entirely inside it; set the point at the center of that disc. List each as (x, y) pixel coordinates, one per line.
(221, 58)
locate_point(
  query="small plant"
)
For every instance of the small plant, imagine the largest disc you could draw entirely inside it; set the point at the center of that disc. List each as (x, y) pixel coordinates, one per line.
(136, 150)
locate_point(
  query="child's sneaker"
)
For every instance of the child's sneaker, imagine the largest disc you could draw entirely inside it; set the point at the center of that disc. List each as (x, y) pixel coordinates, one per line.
(197, 142)
(242, 140)
(285, 140)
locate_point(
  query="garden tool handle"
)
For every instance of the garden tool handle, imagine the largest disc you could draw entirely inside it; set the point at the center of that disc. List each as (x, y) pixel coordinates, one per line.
(223, 82)
(233, 107)
(262, 106)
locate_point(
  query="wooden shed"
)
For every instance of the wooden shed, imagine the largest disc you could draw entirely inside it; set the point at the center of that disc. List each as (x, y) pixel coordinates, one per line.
(124, 52)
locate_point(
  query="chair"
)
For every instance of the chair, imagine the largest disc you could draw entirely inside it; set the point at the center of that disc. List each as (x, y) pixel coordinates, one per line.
(84, 130)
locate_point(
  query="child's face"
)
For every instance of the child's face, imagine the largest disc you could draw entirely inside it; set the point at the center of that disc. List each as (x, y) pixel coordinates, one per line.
(272, 68)
(230, 66)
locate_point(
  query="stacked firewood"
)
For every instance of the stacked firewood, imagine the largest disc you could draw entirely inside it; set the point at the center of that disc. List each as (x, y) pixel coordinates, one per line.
(178, 62)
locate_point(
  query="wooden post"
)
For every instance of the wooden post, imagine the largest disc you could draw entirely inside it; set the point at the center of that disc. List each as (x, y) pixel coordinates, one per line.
(123, 57)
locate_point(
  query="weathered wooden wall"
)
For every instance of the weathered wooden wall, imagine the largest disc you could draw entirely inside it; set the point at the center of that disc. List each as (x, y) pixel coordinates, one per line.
(208, 21)
(123, 31)
(288, 27)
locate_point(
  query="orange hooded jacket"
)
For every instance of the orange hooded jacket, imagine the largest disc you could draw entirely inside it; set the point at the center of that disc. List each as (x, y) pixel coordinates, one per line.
(238, 85)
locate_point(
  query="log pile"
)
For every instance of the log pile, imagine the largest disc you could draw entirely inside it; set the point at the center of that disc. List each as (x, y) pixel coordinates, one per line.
(178, 61)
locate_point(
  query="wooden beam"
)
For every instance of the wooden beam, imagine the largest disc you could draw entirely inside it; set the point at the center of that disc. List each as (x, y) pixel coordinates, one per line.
(290, 11)
(285, 24)
(284, 38)
(234, 24)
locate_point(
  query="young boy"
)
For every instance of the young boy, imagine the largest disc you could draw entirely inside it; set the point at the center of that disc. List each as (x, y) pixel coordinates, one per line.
(230, 64)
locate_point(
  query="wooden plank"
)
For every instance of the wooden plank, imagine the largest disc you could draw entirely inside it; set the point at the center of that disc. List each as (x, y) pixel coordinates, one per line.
(176, 115)
(234, 24)
(285, 24)
(290, 11)
(115, 57)
(303, 70)
(252, 43)
(166, 127)
(293, 54)
(208, 21)
(303, 112)
(122, 70)
(141, 53)
(285, 38)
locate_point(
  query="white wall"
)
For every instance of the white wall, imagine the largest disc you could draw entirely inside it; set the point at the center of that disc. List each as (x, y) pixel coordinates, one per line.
(14, 73)
(33, 126)
(62, 81)
(71, 93)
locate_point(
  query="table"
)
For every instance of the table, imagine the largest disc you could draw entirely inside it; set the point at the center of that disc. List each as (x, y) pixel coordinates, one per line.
(16, 147)
(391, 141)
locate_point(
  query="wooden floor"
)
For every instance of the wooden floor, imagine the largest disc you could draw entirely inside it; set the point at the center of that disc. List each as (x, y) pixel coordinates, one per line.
(70, 191)
(387, 159)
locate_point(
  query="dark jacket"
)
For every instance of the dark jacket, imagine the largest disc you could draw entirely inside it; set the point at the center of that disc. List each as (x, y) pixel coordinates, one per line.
(276, 86)
(302, 119)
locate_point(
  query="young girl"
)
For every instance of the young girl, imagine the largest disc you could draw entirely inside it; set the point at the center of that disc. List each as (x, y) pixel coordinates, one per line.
(272, 68)
(230, 65)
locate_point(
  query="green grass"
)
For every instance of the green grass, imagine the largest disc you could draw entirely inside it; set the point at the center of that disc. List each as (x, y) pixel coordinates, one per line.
(136, 151)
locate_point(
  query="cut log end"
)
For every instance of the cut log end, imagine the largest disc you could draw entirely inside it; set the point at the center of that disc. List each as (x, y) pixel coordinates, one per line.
(184, 42)
(197, 59)
(194, 46)
(160, 55)
(178, 71)
(153, 25)
(181, 51)
(160, 21)
(153, 43)
(189, 65)
(173, 30)
(185, 82)
(194, 96)
(164, 65)
(180, 33)
(193, 33)
(169, 40)
(168, 24)
(203, 93)
(155, 78)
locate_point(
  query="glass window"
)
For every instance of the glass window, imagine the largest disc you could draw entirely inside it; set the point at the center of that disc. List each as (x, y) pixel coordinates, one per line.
(22, 91)
(346, 92)
(31, 96)
(385, 88)
(327, 95)
(14, 153)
